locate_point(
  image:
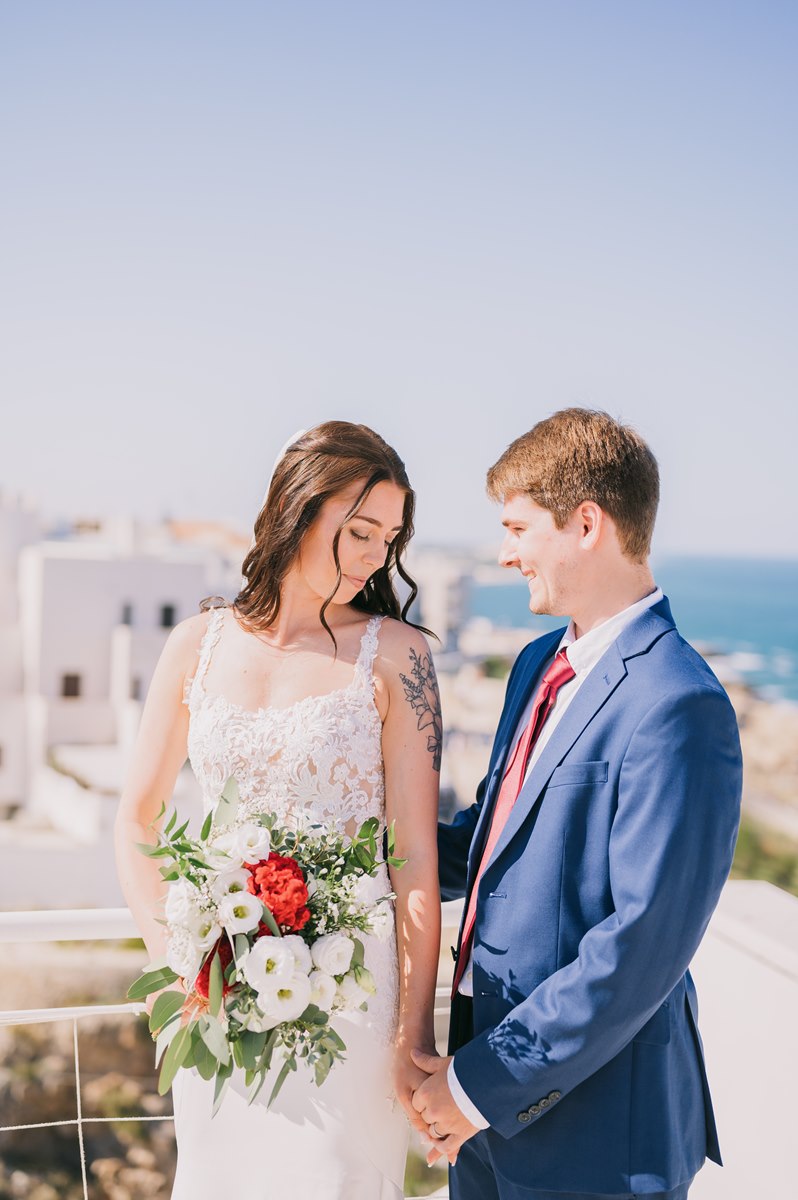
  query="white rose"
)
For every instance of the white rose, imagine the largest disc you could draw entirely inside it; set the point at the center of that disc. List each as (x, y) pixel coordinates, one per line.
(240, 912)
(322, 990)
(382, 921)
(301, 952)
(182, 956)
(204, 929)
(182, 901)
(287, 1001)
(269, 964)
(332, 953)
(350, 994)
(251, 842)
(231, 881)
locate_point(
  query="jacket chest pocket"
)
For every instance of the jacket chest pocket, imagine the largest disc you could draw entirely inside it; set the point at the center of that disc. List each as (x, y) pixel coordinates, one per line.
(576, 773)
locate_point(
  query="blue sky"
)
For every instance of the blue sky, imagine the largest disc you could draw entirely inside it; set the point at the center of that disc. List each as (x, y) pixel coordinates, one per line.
(219, 222)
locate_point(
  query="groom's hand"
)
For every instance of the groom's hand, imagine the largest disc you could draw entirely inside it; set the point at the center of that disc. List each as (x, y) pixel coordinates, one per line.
(434, 1101)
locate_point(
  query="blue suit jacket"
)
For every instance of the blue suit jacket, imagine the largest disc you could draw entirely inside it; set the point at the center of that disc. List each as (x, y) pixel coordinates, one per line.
(586, 1057)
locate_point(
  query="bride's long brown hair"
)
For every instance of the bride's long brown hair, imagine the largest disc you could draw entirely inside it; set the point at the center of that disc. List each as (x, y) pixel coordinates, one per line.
(320, 464)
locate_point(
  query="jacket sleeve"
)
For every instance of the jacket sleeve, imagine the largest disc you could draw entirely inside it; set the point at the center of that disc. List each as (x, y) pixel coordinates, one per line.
(670, 851)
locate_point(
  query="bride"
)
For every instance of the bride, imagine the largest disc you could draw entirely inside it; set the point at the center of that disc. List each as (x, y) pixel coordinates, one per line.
(315, 692)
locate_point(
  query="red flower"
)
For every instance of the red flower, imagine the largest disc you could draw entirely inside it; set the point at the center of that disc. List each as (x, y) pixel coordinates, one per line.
(202, 982)
(278, 881)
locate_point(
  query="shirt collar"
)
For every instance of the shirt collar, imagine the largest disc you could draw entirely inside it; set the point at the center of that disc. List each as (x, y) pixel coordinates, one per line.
(584, 652)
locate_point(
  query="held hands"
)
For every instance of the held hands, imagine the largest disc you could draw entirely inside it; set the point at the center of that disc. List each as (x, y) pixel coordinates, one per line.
(406, 1078)
(443, 1122)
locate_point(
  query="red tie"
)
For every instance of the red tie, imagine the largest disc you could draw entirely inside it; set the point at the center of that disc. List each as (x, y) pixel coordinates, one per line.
(558, 673)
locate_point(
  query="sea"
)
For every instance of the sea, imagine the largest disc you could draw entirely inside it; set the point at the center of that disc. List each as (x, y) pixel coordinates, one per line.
(743, 609)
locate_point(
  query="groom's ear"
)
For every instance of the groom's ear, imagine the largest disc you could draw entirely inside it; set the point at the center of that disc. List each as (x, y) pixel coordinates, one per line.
(591, 518)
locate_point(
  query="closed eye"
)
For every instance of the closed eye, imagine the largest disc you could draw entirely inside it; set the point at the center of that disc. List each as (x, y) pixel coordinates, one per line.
(359, 537)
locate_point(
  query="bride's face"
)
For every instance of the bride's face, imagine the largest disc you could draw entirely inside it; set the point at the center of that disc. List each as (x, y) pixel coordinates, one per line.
(363, 545)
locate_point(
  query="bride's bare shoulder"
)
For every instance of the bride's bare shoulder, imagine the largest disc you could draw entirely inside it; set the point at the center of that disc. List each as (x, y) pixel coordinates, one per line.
(400, 647)
(185, 639)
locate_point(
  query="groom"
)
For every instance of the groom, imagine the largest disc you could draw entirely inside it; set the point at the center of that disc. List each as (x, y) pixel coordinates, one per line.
(593, 858)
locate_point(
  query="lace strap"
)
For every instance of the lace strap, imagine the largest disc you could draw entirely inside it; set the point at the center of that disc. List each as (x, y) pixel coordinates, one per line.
(206, 648)
(368, 649)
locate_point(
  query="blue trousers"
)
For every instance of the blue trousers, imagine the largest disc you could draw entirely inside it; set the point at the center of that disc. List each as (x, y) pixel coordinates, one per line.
(472, 1178)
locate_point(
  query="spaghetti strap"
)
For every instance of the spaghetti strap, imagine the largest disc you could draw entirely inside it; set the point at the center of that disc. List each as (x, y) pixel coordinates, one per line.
(206, 648)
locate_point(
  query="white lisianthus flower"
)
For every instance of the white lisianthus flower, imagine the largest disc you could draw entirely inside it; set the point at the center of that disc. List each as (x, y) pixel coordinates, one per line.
(287, 1001)
(301, 952)
(350, 994)
(332, 953)
(381, 920)
(268, 965)
(183, 956)
(221, 850)
(233, 881)
(240, 912)
(322, 989)
(182, 902)
(204, 929)
(251, 842)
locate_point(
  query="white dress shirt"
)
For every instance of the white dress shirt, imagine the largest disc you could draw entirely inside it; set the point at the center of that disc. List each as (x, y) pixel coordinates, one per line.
(583, 655)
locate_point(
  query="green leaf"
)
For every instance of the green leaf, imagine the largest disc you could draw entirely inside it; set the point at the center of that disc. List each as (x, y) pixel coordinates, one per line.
(166, 1006)
(240, 946)
(270, 921)
(215, 984)
(204, 1058)
(212, 1035)
(288, 1066)
(313, 1015)
(164, 1038)
(228, 803)
(358, 954)
(151, 981)
(170, 824)
(206, 826)
(174, 1058)
(222, 1080)
(365, 979)
(322, 1068)
(251, 1046)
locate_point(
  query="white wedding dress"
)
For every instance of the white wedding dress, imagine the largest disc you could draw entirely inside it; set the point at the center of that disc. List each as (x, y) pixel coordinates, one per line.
(346, 1140)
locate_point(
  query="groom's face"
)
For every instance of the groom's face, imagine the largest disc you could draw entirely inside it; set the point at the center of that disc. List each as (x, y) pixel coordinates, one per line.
(544, 554)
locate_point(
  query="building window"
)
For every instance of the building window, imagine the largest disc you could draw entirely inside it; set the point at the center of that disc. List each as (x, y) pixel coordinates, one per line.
(168, 613)
(135, 688)
(70, 685)
(127, 614)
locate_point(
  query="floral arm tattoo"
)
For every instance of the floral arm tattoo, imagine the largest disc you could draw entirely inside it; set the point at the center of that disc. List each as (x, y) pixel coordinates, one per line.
(421, 692)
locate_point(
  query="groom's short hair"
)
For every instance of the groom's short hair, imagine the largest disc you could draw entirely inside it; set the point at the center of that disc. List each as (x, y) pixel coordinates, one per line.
(580, 454)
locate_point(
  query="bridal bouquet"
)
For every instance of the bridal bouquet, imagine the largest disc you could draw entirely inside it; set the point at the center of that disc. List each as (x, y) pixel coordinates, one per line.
(263, 943)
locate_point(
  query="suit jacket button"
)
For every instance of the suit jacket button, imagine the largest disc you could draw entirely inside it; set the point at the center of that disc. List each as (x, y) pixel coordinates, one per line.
(524, 1117)
(534, 1110)
(545, 1102)
(554, 1096)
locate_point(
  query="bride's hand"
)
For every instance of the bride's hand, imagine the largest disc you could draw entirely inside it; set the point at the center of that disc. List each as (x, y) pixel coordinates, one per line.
(406, 1078)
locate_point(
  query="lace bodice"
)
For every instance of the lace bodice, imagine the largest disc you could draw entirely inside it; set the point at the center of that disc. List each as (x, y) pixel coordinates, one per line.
(319, 759)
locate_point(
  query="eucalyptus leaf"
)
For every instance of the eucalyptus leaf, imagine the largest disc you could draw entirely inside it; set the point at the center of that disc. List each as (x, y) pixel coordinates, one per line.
(215, 984)
(228, 803)
(151, 981)
(212, 1035)
(270, 921)
(166, 1006)
(222, 1080)
(164, 1038)
(288, 1066)
(206, 826)
(174, 1058)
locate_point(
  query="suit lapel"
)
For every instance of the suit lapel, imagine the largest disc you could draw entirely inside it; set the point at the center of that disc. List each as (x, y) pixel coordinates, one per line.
(601, 682)
(514, 708)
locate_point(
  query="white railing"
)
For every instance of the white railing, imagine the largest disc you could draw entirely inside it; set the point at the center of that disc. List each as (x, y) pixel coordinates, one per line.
(111, 924)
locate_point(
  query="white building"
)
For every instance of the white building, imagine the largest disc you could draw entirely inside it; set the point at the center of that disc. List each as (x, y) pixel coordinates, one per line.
(82, 624)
